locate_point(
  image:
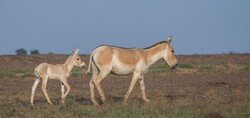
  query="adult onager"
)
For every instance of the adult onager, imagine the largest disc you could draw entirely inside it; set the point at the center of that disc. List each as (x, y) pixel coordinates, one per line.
(45, 71)
(106, 59)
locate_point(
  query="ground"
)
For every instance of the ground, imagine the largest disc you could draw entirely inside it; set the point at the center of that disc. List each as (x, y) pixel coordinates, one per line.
(201, 86)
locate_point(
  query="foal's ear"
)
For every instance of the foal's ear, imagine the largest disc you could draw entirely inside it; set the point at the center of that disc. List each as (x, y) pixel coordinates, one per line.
(76, 52)
(169, 39)
(72, 51)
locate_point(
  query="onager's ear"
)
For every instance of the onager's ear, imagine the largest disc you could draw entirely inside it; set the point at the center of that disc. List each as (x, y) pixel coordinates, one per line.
(169, 39)
(76, 52)
(72, 51)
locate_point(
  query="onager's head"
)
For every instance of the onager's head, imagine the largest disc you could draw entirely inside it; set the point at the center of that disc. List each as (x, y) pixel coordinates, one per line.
(169, 55)
(77, 59)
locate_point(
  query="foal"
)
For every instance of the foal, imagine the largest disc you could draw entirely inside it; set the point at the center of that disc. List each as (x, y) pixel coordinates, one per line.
(44, 71)
(122, 61)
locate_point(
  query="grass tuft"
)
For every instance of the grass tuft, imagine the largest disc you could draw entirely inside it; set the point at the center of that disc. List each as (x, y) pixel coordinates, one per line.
(245, 66)
(18, 72)
(186, 65)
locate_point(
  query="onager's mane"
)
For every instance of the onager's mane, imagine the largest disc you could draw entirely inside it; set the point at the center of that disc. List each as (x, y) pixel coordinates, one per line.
(161, 42)
(155, 45)
(117, 47)
(106, 59)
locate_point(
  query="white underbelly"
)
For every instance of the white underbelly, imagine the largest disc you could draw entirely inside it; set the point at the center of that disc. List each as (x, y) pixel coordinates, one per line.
(122, 70)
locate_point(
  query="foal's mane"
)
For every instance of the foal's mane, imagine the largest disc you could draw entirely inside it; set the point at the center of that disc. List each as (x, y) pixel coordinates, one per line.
(69, 58)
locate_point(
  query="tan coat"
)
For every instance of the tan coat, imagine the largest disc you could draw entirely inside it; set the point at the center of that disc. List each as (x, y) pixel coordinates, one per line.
(122, 61)
(45, 71)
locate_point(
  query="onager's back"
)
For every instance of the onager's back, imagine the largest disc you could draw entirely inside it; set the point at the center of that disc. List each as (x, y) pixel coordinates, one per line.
(47, 71)
(121, 61)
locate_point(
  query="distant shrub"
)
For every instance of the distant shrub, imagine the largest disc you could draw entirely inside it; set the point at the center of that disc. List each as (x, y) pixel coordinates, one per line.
(50, 53)
(232, 52)
(34, 52)
(21, 51)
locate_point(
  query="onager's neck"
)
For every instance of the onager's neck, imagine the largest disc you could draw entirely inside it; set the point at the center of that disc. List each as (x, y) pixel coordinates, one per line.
(154, 53)
(68, 64)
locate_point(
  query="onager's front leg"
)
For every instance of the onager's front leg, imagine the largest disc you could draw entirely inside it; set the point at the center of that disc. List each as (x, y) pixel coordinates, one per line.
(132, 84)
(143, 89)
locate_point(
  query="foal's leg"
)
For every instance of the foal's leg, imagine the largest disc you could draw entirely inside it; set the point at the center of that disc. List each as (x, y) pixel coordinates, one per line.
(143, 89)
(132, 84)
(63, 91)
(45, 79)
(33, 90)
(64, 81)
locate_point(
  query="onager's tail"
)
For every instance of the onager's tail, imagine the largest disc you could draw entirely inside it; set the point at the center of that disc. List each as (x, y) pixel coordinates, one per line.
(90, 62)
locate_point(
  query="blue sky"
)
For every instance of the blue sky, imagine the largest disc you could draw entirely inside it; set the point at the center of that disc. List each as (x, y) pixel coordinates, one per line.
(197, 27)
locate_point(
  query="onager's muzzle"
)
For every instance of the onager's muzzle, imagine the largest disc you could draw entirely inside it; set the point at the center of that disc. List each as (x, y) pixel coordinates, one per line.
(174, 66)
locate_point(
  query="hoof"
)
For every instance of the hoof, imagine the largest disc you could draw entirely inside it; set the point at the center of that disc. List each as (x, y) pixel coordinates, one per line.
(62, 101)
(96, 104)
(125, 101)
(103, 100)
(146, 100)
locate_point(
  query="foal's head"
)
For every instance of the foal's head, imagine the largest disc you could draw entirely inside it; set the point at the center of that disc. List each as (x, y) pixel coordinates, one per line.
(169, 55)
(76, 59)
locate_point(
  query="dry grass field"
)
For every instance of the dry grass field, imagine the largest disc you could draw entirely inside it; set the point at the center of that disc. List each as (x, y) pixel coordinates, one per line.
(202, 86)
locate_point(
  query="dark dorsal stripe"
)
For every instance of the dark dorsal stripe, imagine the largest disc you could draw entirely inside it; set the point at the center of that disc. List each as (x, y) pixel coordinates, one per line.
(135, 48)
(156, 44)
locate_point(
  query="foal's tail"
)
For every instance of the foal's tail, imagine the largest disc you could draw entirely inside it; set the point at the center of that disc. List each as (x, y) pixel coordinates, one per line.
(37, 73)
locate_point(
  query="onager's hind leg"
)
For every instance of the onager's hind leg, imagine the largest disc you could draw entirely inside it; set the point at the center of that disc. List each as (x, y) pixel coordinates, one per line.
(143, 89)
(34, 90)
(92, 91)
(95, 81)
(132, 84)
(44, 84)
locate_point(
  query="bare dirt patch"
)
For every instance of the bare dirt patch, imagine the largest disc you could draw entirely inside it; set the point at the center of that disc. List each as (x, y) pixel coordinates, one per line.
(186, 87)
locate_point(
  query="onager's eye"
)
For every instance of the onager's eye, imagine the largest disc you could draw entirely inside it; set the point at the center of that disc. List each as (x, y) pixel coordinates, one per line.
(77, 59)
(172, 51)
